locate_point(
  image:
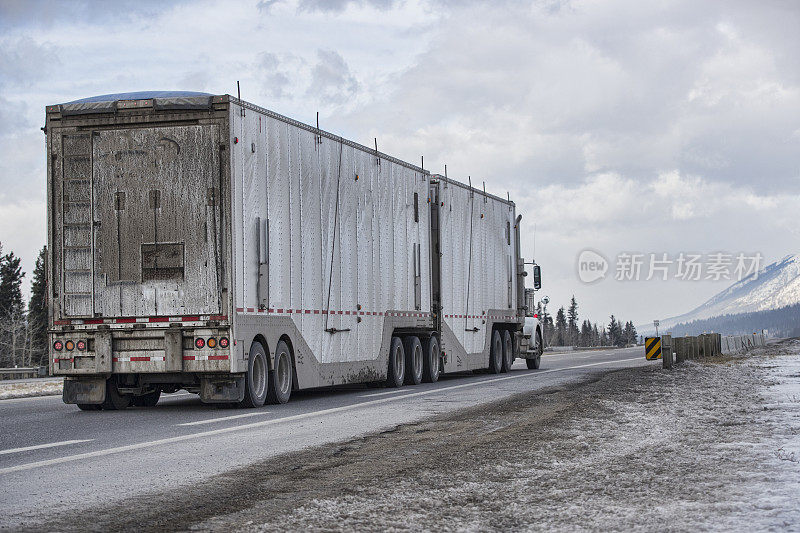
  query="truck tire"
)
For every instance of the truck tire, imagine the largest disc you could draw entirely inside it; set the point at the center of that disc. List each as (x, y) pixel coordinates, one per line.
(255, 382)
(415, 360)
(431, 368)
(281, 376)
(114, 400)
(533, 364)
(496, 353)
(508, 351)
(147, 400)
(397, 364)
(89, 406)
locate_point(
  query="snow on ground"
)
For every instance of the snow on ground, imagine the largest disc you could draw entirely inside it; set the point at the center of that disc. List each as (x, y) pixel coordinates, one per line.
(26, 388)
(712, 445)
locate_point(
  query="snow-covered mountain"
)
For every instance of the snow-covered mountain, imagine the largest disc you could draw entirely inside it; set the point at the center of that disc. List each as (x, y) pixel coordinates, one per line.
(776, 285)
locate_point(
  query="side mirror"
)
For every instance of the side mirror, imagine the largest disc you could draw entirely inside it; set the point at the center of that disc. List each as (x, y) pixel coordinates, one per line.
(537, 277)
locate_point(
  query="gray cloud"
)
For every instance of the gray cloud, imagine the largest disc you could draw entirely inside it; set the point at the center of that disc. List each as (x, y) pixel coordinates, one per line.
(44, 13)
(274, 78)
(331, 79)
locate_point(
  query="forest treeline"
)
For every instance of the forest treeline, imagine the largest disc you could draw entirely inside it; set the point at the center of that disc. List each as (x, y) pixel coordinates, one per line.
(567, 329)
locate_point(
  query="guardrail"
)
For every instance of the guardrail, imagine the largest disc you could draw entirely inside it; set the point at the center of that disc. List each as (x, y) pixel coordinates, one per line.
(705, 345)
(23, 373)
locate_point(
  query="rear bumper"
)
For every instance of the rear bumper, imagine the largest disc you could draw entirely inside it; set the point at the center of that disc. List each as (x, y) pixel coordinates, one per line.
(137, 351)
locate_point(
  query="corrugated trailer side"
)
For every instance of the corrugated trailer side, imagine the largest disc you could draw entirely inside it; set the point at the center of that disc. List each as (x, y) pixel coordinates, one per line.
(479, 276)
(331, 246)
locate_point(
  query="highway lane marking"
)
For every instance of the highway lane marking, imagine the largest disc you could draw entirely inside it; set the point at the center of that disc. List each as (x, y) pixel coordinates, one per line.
(382, 393)
(265, 423)
(222, 419)
(43, 446)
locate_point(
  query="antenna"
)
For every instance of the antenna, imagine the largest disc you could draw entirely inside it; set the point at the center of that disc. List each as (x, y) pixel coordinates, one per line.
(445, 171)
(377, 157)
(238, 91)
(422, 164)
(318, 136)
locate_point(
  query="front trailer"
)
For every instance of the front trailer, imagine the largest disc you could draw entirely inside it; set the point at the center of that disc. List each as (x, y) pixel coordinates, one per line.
(203, 243)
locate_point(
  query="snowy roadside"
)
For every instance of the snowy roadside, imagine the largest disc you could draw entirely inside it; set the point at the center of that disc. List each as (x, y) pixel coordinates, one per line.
(27, 388)
(711, 445)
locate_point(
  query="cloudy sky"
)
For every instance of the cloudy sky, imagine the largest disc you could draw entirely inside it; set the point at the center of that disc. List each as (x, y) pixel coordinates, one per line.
(619, 126)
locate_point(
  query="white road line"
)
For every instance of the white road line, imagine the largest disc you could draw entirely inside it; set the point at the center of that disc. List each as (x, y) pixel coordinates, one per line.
(382, 393)
(265, 423)
(43, 446)
(222, 419)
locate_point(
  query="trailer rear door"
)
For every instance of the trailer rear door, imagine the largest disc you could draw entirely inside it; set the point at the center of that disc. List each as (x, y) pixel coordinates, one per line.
(156, 213)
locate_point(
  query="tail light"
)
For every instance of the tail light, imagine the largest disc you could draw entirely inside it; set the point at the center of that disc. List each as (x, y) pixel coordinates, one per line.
(211, 342)
(223, 342)
(69, 346)
(199, 343)
(535, 315)
(81, 345)
(58, 346)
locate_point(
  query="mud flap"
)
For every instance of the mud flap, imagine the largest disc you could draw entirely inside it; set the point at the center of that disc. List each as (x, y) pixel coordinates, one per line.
(84, 390)
(228, 389)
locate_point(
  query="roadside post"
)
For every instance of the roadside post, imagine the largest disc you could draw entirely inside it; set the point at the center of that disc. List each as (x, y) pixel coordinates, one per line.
(680, 349)
(666, 351)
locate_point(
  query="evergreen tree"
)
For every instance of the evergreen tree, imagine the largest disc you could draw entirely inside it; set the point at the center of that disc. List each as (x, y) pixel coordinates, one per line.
(37, 310)
(595, 335)
(629, 333)
(603, 337)
(10, 286)
(615, 337)
(561, 327)
(572, 322)
(586, 334)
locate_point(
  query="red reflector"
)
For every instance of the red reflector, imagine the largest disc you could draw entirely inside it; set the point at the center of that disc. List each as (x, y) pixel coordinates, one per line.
(81, 345)
(217, 357)
(199, 343)
(159, 319)
(218, 317)
(93, 321)
(223, 342)
(126, 321)
(536, 315)
(58, 346)
(190, 318)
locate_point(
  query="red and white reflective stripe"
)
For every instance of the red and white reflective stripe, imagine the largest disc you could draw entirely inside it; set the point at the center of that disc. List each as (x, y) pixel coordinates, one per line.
(493, 317)
(344, 312)
(139, 320)
(139, 359)
(205, 357)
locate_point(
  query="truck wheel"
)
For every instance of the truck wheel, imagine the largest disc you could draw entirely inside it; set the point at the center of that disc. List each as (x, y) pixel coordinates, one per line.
(147, 400)
(496, 353)
(89, 406)
(414, 360)
(397, 364)
(431, 367)
(534, 363)
(280, 378)
(508, 351)
(114, 400)
(255, 383)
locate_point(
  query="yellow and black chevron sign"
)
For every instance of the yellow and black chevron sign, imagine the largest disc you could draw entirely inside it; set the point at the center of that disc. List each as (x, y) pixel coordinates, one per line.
(652, 348)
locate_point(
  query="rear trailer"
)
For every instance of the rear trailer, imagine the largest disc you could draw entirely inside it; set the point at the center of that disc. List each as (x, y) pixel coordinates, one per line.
(204, 243)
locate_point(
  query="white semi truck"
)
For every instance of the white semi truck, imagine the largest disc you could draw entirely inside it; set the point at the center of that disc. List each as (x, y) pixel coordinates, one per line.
(201, 242)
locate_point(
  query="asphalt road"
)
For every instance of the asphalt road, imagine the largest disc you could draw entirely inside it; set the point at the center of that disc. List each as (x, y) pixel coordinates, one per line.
(55, 458)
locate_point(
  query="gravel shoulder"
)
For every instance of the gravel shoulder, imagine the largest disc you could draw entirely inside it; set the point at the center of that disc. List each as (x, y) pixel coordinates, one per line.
(711, 445)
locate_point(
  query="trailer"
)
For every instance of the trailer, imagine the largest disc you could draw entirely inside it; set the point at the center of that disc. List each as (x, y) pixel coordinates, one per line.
(204, 243)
